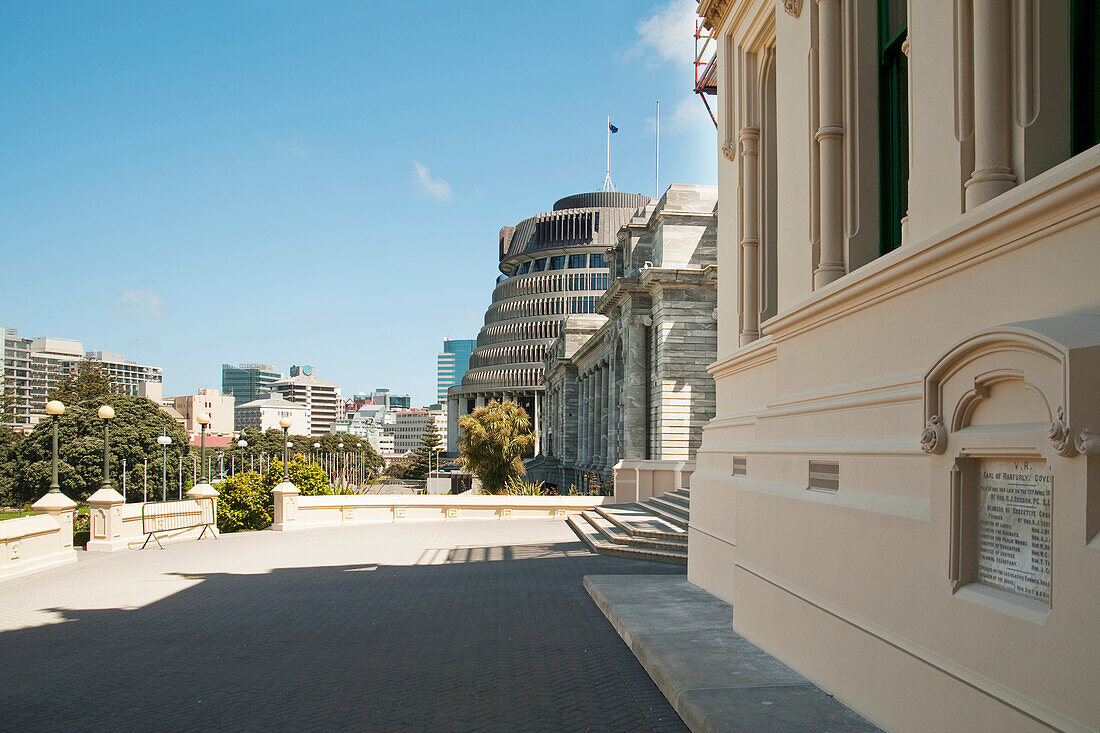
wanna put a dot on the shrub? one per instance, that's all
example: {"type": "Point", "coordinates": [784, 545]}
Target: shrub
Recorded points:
{"type": "Point", "coordinates": [519, 487]}
{"type": "Point", "coordinates": [246, 502]}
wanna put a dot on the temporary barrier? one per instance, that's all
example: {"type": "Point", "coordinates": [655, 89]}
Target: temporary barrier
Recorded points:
{"type": "Point", "coordinates": [162, 517]}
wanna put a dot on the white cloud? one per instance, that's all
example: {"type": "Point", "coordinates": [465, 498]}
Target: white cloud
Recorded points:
{"type": "Point", "coordinates": [140, 303]}
{"type": "Point", "coordinates": [437, 188]}
{"type": "Point", "coordinates": [668, 35]}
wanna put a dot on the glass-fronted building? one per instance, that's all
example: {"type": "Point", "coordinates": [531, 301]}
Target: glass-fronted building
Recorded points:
{"type": "Point", "coordinates": [451, 365]}
{"type": "Point", "coordinates": [248, 382]}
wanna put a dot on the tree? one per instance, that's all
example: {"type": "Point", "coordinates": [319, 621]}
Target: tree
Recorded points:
{"type": "Point", "coordinates": [134, 431]}
{"type": "Point", "coordinates": [9, 440]}
{"type": "Point", "coordinates": [9, 401]}
{"type": "Point", "coordinates": [493, 442]}
{"type": "Point", "coordinates": [430, 442]}
{"type": "Point", "coordinates": [88, 384]}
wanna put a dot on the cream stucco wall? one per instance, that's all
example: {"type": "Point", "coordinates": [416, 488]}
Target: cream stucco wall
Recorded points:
{"type": "Point", "coordinates": [860, 588]}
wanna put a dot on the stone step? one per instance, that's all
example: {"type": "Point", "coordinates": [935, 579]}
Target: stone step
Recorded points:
{"type": "Point", "coordinates": [620, 537]}
{"type": "Point", "coordinates": [674, 518]}
{"type": "Point", "coordinates": [677, 498]}
{"type": "Point", "coordinates": [659, 502]}
{"type": "Point", "coordinates": [596, 542]}
{"type": "Point", "coordinates": [634, 518]}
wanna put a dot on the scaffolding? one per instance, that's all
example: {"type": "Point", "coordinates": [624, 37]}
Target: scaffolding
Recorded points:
{"type": "Point", "coordinates": [706, 66]}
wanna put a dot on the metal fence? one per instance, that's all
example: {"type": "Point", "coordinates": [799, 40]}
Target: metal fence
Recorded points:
{"type": "Point", "coordinates": [162, 517]}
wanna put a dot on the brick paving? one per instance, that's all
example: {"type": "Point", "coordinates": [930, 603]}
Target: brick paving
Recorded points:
{"type": "Point", "coordinates": [445, 626]}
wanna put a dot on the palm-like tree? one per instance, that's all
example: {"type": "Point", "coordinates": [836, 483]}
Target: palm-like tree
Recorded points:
{"type": "Point", "coordinates": [493, 441]}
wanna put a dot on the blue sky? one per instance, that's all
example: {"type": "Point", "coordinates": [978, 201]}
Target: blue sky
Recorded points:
{"type": "Point", "coordinates": [192, 183]}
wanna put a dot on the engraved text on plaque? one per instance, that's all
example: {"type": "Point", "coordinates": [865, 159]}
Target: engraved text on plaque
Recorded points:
{"type": "Point", "coordinates": [1014, 526]}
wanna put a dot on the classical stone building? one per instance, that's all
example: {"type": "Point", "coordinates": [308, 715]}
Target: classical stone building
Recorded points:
{"type": "Point", "coordinates": [900, 491]}
{"type": "Point", "coordinates": [552, 264]}
{"type": "Point", "coordinates": [627, 390]}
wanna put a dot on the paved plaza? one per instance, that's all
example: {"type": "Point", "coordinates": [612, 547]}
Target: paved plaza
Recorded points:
{"type": "Point", "coordinates": [441, 626]}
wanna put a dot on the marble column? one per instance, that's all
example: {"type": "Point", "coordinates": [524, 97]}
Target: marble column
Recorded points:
{"type": "Point", "coordinates": [750, 238]}
{"type": "Point", "coordinates": [580, 418]}
{"type": "Point", "coordinates": [992, 174]}
{"type": "Point", "coordinates": [634, 402]}
{"type": "Point", "coordinates": [830, 140]}
{"type": "Point", "coordinates": [613, 414]}
{"type": "Point", "coordinates": [538, 426]}
{"type": "Point", "coordinates": [605, 390]}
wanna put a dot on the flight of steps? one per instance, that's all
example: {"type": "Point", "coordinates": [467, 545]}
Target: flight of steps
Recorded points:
{"type": "Point", "coordinates": [655, 529]}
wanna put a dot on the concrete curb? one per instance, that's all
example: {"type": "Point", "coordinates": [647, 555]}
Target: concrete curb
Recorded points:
{"type": "Point", "coordinates": [714, 678]}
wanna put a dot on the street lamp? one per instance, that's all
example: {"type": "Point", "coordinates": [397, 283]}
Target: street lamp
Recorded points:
{"type": "Point", "coordinates": [55, 409]}
{"type": "Point", "coordinates": [242, 444]}
{"type": "Point", "coordinates": [284, 423]}
{"type": "Point", "coordinates": [164, 442]}
{"type": "Point", "coordinates": [203, 420]}
{"type": "Point", "coordinates": [106, 414]}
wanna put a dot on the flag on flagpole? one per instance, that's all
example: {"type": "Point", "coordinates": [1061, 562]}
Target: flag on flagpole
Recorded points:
{"type": "Point", "coordinates": [612, 128]}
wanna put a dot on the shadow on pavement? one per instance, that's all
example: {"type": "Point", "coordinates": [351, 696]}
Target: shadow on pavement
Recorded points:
{"type": "Point", "coordinates": [501, 638]}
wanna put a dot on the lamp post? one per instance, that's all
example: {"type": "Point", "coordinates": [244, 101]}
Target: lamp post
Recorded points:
{"type": "Point", "coordinates": [106, 414]}
{"type": "Point", "coordinates": [203, 420]}
{"type": "Point", "coordinates": [242, 444]}
{"type": "Point", "coordinates": [55, 409]}
{"type": "Point", "coordinates": [316, 447]}
{"type": "Point", "coordinates": [164, 442]}
{"type": "Point", "coordinates": [284, 423]}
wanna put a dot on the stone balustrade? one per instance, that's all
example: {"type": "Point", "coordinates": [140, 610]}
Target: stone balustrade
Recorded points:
{"type": "Point", "coordinates": [293, 511]}
{"type": "Point", "coordinates": [116, 525]}
{"type": "Point", "coordinates": [640, 480]}
{"type": "Point", "coordinates": [41, 541]}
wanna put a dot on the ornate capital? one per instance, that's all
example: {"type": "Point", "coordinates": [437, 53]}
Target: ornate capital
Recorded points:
{"type": "Point", "coordinates": [934, 438]}
{"type": "Point", "coordinates": [793, 7]}
{"type": "Point", "coordinates": [1059, 435]}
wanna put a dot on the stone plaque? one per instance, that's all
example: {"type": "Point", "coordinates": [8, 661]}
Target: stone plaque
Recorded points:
{"type": "Point", "coordinates": [1014, 526]}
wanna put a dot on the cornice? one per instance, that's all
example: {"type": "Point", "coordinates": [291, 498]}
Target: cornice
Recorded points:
{"type": "Point", "coordinates": [714, 12]}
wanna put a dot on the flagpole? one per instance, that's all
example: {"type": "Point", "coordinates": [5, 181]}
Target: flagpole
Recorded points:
{"type": "Point", "coordinates": [657, 162]}
{"type": "Point", "coordinates": [608, 131]}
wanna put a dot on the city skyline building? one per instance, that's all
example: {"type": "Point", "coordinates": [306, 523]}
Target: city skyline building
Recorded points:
{"type": "Point", "coordinates": [209, 401]}
{"type": "Point", "coordinates": [248, 382]}
{"type": "Point", "coordinates": [265, 413]}
{"type": "Point", "coordinates": [451, 365]}
{"type": "Point", "coordinates": [30, 368]}
{"type": "Point", "coordinates": [408, 428]}
{"type": "Point", "coordinates": [391, 401]}
{"type": "Point", "coordinates": [321, 399]}
{"type": "Point", "coordinates": [552, 265]}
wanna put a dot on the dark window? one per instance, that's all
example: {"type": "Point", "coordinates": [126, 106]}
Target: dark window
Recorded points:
{"type": "Point", "coordinates": [576, 261]}
{"type": "Point", "coordinates": [557, 262]}
{"type": "Point", "coordinates": [1085, 71]}
{"type": "Point", "coordinates": [598, 260]}
{"type": "Point", "coordinates": [540, 265]}
{"type": "Point", "coordinates": [525, 268]}
{"type": "Point", "coordinates": [893, 110]}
